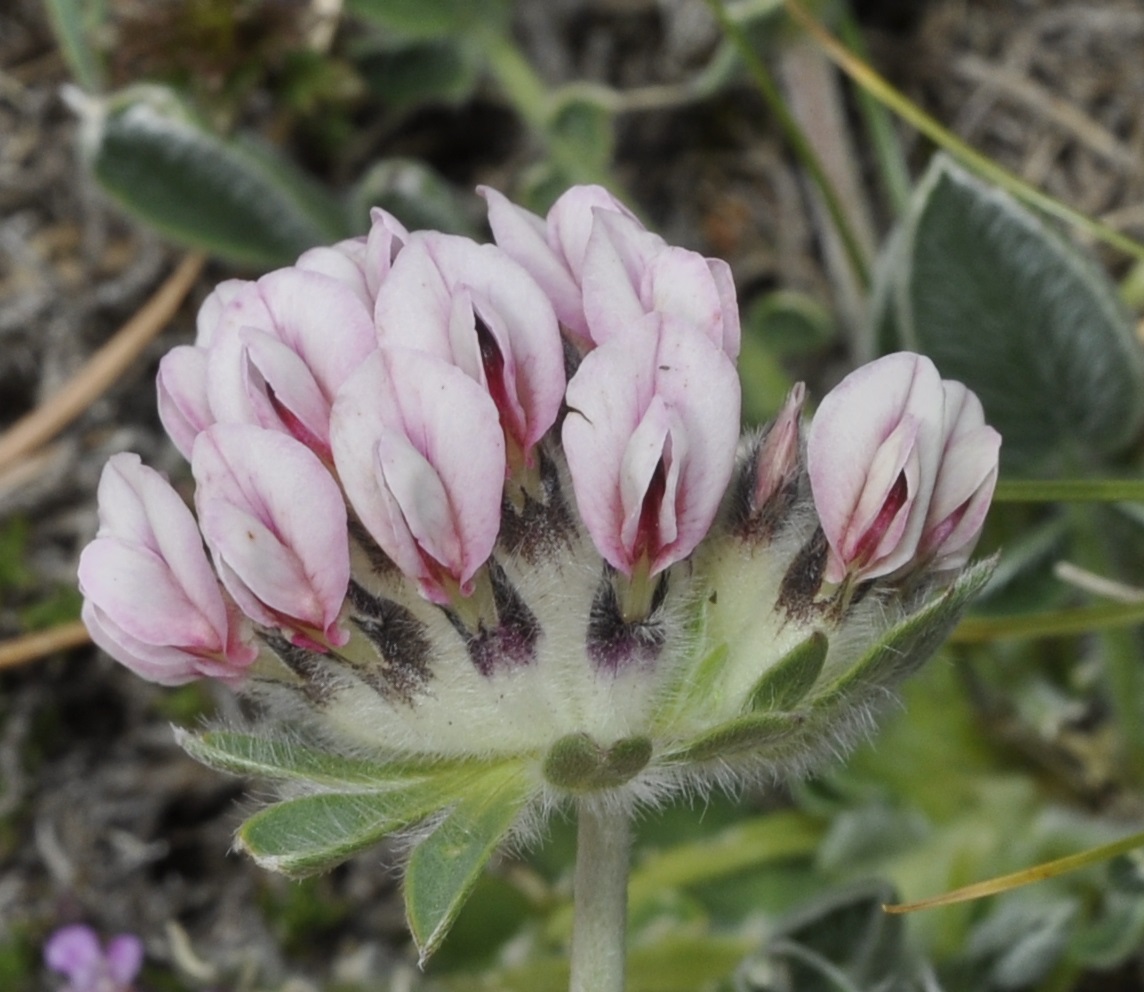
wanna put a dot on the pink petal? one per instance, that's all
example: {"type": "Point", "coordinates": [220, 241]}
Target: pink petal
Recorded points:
{"type": "Point", "coordinates": [162, 664]}
{"type": "Point", "coordinates": [523, 237]}
{"type": "Point", "coordinates": [139, 510]}
{"type": "Point", "coordinates": [679, 282]}
{"type": "Point", "coordinates": [437, 285]}
{"type": "Point", "coordinates": [895, 403]}
{"type": "Point", "coordinates": [453, 426]}
{"type": "Point", "coordinates": [659, 361]}
{"type": "Point", "coordinates": [616, 258]}
{"type": "Point", "coordinates": [184, 407]}
{"type": "Point", "coordinates": [571, 218]}
{"type": "Point", "coordinates": [211, 312]}
{"type": "Point", "coordinates": [296, 517]}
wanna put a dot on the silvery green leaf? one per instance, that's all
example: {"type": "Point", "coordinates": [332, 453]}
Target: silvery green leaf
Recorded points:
{"type": "Point", "coordinates": [76, 25]}
{"type": "Point", "coordinates": [234, 197]}
{"type": "Point", "coordinates": [416, 195]}
{"type": "Point", "coordinates": [287, 760]}
{"type": "Point", "coordinates": [735, 737]}
{"type": "Point", "coordinates": [314, 833]}
{"type": "Point", "coordinates": [432, 18]}
{"type": "Point", "coordinates": [446, 864]}
{"type": "Point", "coordinates": [1001, 301]}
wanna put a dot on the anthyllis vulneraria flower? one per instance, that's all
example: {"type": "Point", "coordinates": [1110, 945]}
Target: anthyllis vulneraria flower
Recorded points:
{"type": "Point", "coordinates": [482, 537]}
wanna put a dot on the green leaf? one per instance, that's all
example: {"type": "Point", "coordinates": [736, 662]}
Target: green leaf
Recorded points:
{"type": "Point", "coordinates": [445, 866]}
{"type": "Point", "coordinates": [314, 833]}
{"type": "Point", "coordinates": [791, 678]}
{"type": "Point", "coordinates": [409, 75]}
{"type": "Point", "coordinates": [580, 121]}
{"type": "Point", "coordinates": [235, 198]}
{"type": "Point", "coordinates": [75, 23]}
{"type": "Point", "coordinates": [908, 644]}
{"type": "Point", "coordinates": [746, 733]}
{"type": "Point", "coordinates": [789, 323]}
{"type": "Point", "coordinates": [432, 18]}
{"type": "Point", "coordinates": [416, 195]}
{"type": "Point", "coordinates": [1003, 303]}
{"type": "Point", "coordinates": [278, 759]}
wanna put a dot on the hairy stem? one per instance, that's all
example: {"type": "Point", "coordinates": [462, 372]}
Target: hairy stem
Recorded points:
{"type": "Point", "coordinates": [600, 891]}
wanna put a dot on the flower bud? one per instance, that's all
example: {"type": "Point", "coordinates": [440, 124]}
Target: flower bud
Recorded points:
{"type": "Point", "coordinates": [152, 600]}
{"type": "Point", "coordinates": [275, 523]}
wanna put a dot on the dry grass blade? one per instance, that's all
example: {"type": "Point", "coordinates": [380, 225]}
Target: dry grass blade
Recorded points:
{"type": "Point", "coordinates": [31, 647]}
{"type": "Point", "coordinates": [104, 367]}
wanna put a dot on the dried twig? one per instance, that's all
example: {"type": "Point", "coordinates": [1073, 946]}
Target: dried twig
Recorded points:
{"type": "Point", "coordinates": [103, 368]}
{"type": "Point", "coordinates": [31, 647]}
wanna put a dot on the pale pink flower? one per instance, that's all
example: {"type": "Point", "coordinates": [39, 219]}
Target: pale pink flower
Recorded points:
{"type": "Point", "coordinates": [474, 307]}
{"type": "Point", "coordinates": [650, 439]}
{"type": "Point", "coordinates": [362, 264]}
{"type": "Point", "coordinates": [552, 249]}
{"type": "Point", "coordinates": [75, 951]}
{"type": "Point", "coordinates": [965, 481]}
{"type": "Point", "coordinates": [873, 453]}
{"type": "Point", "coordinates": [184, 406]}
{"type": "Point", "coordinates": [151, 598]}
{"type": "Point", "coordinates": [420, 452]}
{"type": "Point", "coordinates": [275, 522]}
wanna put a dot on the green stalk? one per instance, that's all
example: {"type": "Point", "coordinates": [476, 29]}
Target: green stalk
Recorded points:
{"type": "Point", "coordinates": [600, 894]}
{"type": "Point", "coordinates": [986, 168]}
{"type": "Point", "coordinates": [1069, 490]}
{"type": "Point", "coordinates": [797, 140]}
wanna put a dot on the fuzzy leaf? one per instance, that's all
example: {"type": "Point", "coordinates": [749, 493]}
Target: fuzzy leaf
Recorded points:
{"type": "Point", "coordinates": [232, 197]}
{"type": "Point", "coordinates": [783, 685]}
{"type": "Point", "coordinates": [909, 643]}
{"type": "Point", "coordinates": [446, 864]}
{"type": "Point", "coordinates": [76, 23]}
{"type": "Point", "coordinates": [1003, 303]}
{"type": "Point", "coordinates": [746, 733]}
{"type": "Point", "coordinates": [314, 833]}
{"type": "Point", "coordinates": [254, 755]}
{"type": "Point", "coordinates": [438, 19]}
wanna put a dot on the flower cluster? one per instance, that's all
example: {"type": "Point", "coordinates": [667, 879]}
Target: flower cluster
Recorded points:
{"type": "Point", "coordinates": [482, 500]}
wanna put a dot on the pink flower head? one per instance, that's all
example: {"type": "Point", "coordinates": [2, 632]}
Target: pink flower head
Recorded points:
{"type": "Point", "coordinates": [965, 481]}
{"type": "Point", "coordinates": [362, 264]}
{"type": "Point", "coordinates": [75, 951]}
{"type": "Point", "coordinates": [650, 439]}
{"type": "Point", "coordinates": [420, 451]}
{"type": "Point", "coordinates": [778, 457]}
{"type": "Point", "coordinates": [274, 520]}
{"type": "Point", "coordinates": [474, 307]}
{"type": "Point", "coordinates": [552, 250]}
{"type": "Point", "coordinates": [873, 453]}
{"type": "Point", "coordinates": [151, 598]}
{"type": "Point", "coordinates": [276, 352]}
{"type": "Point", "coordinates": [629, 272]}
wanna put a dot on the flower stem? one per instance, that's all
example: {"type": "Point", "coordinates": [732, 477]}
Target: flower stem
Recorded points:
{"type": "Point", "coordinates": [600, 891]}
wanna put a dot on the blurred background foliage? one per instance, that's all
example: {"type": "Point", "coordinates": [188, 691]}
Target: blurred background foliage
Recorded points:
{"type": "Point", "coordinates": [254, 129]}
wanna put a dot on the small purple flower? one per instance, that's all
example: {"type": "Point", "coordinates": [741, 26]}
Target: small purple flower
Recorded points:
{"type": "Point", "coordinates": [75, 951]}
{"type": "Point", "coordinates": [152, 600]}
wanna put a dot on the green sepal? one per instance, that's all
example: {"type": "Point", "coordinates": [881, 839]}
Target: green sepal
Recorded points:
{"type": "Point", "coordinates": [445, 866]}
{"type": "Point", "coordinates": [693, 688]}
{"type": "Point", "coordinates": [287, 760]}
{"type": "Point", "coordinates": [579, 764]}
{"type": "Point", "coordinates": [784, 684]}
{"type": "Point", "coordinates": [746, 733]}
{"type": "Point", "coordinates": [314, 833]}
{"type": "Point", "coordinates": [233, 197]}
{"type": "Point", "coordinates": [909, 643]}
